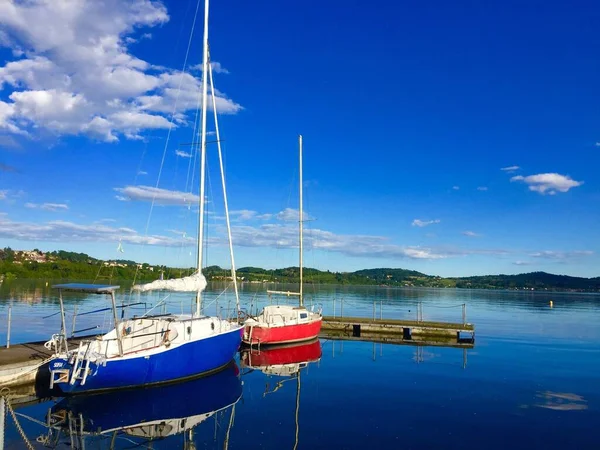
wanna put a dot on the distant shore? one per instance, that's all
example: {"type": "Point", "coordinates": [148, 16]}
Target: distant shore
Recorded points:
{"type": "Point", "coordinates": [36, 265]}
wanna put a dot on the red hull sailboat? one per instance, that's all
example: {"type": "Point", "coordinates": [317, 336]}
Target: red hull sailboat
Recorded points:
{"type": "Point", "coordinates": [279, 324]}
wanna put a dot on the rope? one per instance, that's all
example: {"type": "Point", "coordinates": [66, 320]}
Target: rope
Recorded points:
{"type": "Point", "coordinates": [4, 393]}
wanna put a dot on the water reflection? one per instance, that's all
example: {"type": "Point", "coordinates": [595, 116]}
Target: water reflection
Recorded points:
{"type": "Point", "coordinates": [138, 417]}
{"type": "Point", "coordinates": [560, 401]}
{"type": "Point", "coordinates": [286, 363]}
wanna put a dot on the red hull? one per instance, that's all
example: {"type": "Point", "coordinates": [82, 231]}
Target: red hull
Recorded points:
{"type": "Point", "coordinates": [298, 353]}
{"type": "Point", "coordinates": [283, 334]}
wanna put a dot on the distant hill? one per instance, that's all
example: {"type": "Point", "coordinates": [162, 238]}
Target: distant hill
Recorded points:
{"type": "Point", "coordinates": [533, 280]}
{"type": "Point", "coordinates": [35, 264]}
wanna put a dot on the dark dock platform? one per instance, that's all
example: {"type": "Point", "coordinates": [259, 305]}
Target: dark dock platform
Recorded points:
{"type": "Point", "coordinates": [358, 327]}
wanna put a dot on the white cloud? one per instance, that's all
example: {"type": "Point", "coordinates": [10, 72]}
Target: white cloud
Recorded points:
{"type": "Point", "coordinates": [74, 73]}
{"type": "Point", "coordinates": [141, 172]}
{"type": "Point", "coordinates": [562, 255]}
{"type": "Point", "coordinates": [456, 188]}
{"type": "Point", "coordinates": [597, 144]}
{"type": "Point", "coordinates": [510, 169]}
{"type": "Point", "coordinates": [158, 195]}
{"type": "Point", "coordinates": [424, 223]}
{"type": "Point", "coordinates": [482, 188]}
{"type": "Point", "coordinates": [548, 183]}
{"type": "Point", "coordinates": [217, 67]}
{"type": "Point", "coordinates": [291, 215]}
{"type": "Point", "coordinates": [286, 236]}
{"type": "Point", "coordinates": [522, 263]}
{"type": "Point", "coordinates": [183, 154]}
{"type": "Point", "coordinates": [243, 214]}
{"type": "Point", "coordinates": [471, 234]}
{"type": "Point", "coordinates": [48, 206]}
{"type": "Point", "coordinates": [3, 194]}
{"type": "Point", "coordinates": [63, 231]}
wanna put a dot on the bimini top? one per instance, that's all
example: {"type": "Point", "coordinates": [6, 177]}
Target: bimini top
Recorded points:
{"type": "Point", "coordinates": [83, 287]}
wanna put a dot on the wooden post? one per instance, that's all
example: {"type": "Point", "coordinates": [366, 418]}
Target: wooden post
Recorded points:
{"type": "Point", "coordinates": [8, 329]}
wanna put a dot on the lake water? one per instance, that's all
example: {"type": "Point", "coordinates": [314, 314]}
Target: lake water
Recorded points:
{"type": "Point", "coordinates": [532, 379]}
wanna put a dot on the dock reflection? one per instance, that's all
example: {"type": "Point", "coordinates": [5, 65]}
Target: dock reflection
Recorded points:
{"type": "Point", "coordinates": [142, 416]}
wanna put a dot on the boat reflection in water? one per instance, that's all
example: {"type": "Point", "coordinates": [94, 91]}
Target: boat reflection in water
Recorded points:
{"type": "Point", "coordinates": [143, 415]}
{"type": "Point", "coordinates": [283, 361]}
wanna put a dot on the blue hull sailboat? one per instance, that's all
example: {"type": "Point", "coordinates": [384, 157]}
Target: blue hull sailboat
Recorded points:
{"type": "Point", "coordinates": [150, 350]}
{"type": "Point", "coordinates": [146, 350]}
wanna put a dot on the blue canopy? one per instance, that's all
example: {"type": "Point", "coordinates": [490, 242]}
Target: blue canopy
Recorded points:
{"type": "Point", "coordinates": [91, 288]}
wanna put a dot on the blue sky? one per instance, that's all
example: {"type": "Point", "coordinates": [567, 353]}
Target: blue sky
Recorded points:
{"type": "Point", "coordinates": [453, 138]}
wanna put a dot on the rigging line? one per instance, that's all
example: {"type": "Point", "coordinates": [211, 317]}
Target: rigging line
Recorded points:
{"type": "Point", "coordinates": [170, 129]}
{"type": "Point", "coordinates": [225, 203]}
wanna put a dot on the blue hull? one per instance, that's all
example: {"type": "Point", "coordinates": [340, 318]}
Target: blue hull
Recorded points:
{"type": "Point", "coordinates": [176, 401]}
{"type": "Point", "coordinates": [188, 360]}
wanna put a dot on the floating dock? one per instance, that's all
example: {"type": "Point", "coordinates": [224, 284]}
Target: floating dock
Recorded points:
{"type": "Point", "coordinates": [404, 330]}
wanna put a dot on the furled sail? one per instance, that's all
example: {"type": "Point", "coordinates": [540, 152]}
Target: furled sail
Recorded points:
{"type": "Point", "coordinates": [192, 283]}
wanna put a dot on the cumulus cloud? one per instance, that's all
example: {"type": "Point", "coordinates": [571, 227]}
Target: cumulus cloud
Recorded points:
{"type": "Point", "coordinates": [424, 223]}
{"type": "Point", "coordinates": [48, 206]}
{"type": "Point", "coordinates": [291, 215]}
{"type": "Point", "coordinates": [286, 236]}
{"type": "Point", "coordinates": [74, 73]}
{"type": "Point", "coordinates": [548, 183]}
{"type": "Point", "coordinates": [64, 231]}
{"type": "Point", "coordinates": [510, 169]}
{"type": "Point", "coordinates": [243, 214]}
{"type": "Point", "coordinates": [471, 234]}
{"type": "Point", "coordinates": [158, 195]}
{"type": "Point", "coordinates": [217, 67]}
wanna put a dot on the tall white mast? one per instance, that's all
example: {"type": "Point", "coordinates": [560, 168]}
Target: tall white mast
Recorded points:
{"type": "Point", "coordinates": [202, 150]}
{"type": "Point", "coordinates": [300, 219]}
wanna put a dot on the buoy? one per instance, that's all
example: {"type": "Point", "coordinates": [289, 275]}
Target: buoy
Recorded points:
{"type": "Point", "coordinates": [551, 304]}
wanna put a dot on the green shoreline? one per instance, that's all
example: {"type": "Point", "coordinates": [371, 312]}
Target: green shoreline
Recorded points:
{"type": "Point", "coordinates": [79, 266]}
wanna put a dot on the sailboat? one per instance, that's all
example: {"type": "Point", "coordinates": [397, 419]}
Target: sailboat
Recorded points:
{"type": "Point", "coordinates": [152, 349]}
{"type": "Point", "coordinates": [278, 324]}
{"type": "Point", "coordinates": [146, 414]}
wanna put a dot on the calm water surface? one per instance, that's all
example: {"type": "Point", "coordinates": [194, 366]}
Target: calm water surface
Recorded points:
{"type": "Point", "coordinates": [531, 381]}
